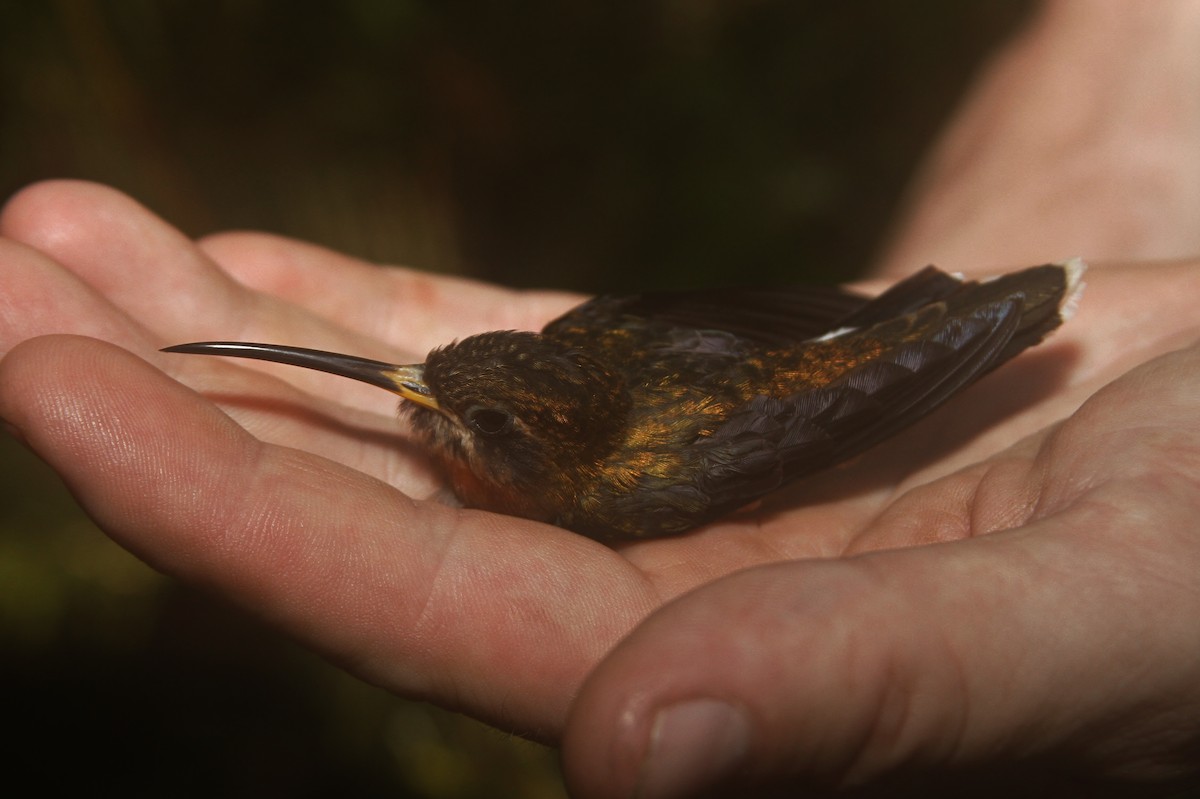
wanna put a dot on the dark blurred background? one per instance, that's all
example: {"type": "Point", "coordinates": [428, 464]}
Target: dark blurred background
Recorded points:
{"type": "Point", "coordinates": [597, 146]}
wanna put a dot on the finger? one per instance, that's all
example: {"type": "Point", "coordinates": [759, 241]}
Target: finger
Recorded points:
{"type": "Point", "coordinates": [125, 253]}
{"type": "Point", "coordinates": [150, 271]}
{"type": "Point", "coordinates": [40, 297]}
{"type": "Point", "coordinates": [494, 616]}
{"type": "Point", "coordinates": [411, 309]}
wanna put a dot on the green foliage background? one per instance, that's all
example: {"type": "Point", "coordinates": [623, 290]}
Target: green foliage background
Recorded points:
{"type": "Point", "coordinates": [598, 146]}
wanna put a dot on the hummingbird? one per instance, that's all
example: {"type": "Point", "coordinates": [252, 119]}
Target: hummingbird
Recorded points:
{"type": "Point", "coordinates": [652, 414]}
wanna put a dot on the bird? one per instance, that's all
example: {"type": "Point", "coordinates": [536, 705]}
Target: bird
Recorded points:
{"type": "Point", "coordinates": [649, 415]}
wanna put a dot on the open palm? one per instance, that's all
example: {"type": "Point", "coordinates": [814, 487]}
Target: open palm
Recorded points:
{"type": "Point", "coordinates": [301, 496]}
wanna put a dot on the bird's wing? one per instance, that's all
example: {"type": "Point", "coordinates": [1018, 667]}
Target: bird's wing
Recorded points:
{"type": "Point", "coordinates": [773, 440]}
{"type": "Point", "coordinates": [770, 317]}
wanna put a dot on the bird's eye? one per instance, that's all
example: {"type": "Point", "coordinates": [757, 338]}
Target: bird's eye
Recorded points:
{"type": "Point", "coordinates": [489, 421]}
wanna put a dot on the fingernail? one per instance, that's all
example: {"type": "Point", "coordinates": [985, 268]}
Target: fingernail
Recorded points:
{"type": "Point", "coordinates": [692, 745]}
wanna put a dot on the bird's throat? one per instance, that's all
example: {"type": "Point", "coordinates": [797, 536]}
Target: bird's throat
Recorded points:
{"type": "Point", "coordinates": [487, 495]}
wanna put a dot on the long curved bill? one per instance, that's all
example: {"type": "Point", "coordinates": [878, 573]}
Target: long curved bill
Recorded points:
{"type": "Point", "coordinates": [407, 381]}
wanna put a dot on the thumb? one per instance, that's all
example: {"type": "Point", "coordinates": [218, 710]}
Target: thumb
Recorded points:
{"type": "Point", "coordinates": [886, 669]}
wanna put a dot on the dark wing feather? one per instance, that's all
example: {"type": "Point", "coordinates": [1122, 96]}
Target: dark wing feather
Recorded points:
{"type": "Point", "coordinates": [798, 435]}
{"type": "Point", "coordinates": [774, 318]}
{"type": "Point", "coordinates": [928, 286]}
{"type": "Point", "coordinates": [915, 378]}
{"type": "Point", "coordinates": [1039, 290]}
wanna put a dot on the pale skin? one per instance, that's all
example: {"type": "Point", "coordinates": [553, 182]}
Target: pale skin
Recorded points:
{"type": "Point", "coordinates": [1010, 585]}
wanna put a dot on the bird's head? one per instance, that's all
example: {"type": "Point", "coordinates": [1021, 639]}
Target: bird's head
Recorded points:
{"type": "Point", "coordinates": [507, 413]}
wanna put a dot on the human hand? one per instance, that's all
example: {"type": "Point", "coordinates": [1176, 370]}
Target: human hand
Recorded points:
{"type": "Point", "coordinates": [315, 512]}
